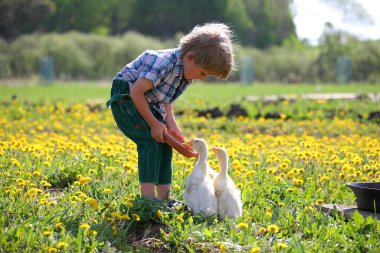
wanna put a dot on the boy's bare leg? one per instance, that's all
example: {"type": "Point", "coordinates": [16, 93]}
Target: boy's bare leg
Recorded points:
{"type": "Point", "coordinates": [147, 190]}
{"type": "Point", "coordinates": [163, 191]}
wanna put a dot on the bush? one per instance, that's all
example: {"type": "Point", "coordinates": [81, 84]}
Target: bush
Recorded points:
{"type": "Point", "coordinates": [5, 68]}
{"type": "Point", "coordinates": [366, 62]}
{"type": "Point", "coordinates": [77, 55]}
{"type": "Point", "coordinates": [131, 45]}
{"type": "Point", "coordinates": [70, 61]}
{"type": "Point", "coordinates": [280, 64]}
{"type": "Point", "coordinates": [24, 53]}
{"type": "Point", "coordinates": [90, 56]}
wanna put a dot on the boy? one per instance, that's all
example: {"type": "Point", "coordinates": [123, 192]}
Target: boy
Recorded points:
{"type": "Point", "coordinates": [143, 92]}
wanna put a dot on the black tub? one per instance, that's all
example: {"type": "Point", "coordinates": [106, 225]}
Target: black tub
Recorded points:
{"type": "Point", "coordinates": [367, 195]}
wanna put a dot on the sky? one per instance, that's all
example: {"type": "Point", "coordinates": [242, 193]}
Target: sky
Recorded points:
{"type": "Point", "coordinates": [311, 15]}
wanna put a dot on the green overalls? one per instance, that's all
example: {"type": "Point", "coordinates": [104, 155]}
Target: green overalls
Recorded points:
{"type": "Point", "coordinates": [154, 158]}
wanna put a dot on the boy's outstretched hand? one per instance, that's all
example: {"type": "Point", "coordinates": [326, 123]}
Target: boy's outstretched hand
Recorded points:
{"type": "Point", "coordinates": [177, 132]}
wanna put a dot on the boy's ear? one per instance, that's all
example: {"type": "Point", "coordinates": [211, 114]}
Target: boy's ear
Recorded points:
{"type": "Point", "coordinates": [190, 55]}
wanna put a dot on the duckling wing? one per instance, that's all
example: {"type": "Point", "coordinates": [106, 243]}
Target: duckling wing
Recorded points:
{"type": "Point", "coordinates": [229, 204]}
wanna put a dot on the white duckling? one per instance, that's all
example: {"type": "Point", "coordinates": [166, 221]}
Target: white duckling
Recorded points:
{"type": "Point", "coordinates": [229, 197]}
{"type": "Point", "coordinates": [199, 190]}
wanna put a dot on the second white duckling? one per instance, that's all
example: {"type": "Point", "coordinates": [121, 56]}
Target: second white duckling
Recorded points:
{"type": "Point", "coordinates": [229, 197]}
{"type": "Point", "coordinates": [199, 189]}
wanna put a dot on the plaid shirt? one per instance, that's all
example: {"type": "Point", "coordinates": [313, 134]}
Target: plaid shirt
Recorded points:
{"type": "Point", "coordinates": [165, 69]}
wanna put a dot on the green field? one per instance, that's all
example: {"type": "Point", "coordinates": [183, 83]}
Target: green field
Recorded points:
{"type": "Point", "coordinates": [69, 180]}
{"type": "Point", "coordinates": [74, 92]}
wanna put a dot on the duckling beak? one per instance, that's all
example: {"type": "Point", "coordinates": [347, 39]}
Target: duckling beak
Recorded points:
{"type": "Point", "coordinates": [214, 148]}
{"type": "Point", "coordinates": [188, 144]}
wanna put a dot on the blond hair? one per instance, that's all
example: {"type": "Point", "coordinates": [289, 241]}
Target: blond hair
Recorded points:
{"type": "Point", "coordinates": [211, 44]}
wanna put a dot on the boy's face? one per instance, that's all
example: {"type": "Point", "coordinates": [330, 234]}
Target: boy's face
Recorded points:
{"type": "Point", "coordinates": [191, 70]}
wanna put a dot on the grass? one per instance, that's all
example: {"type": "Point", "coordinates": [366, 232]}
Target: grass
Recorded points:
{"type": "Point", "coordinates": [216, 94]}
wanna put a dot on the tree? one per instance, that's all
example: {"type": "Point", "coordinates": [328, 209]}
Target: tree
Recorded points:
{"type": "Point", "coordinates": [272, 21]}
{"type": "Point", "coordinates": [22, 16]}
{"type": "Point", "coordinates": [164, 20]}
{"type": "Point", "coordinates": [83, 16]}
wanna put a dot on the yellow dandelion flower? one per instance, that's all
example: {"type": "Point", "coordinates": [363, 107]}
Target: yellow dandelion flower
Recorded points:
{"type": "Point", "coordinates": [51, 249]}
{"type": "Point", "coordinates": [107, 191]}
{"type": "Point", "coordinates": [74, 199]}
{"type": "Point", "coordinates": [82, 196]}
{"type": "Point", "coordinates": [242, 225]}
{"type": "Point", "coordinates": [222, 247]}
{"type": "Point", "coordinates": [176, 187]}
{"type": "Point", "coordinates": [281, 245]}
{"type": "Point", "coordinates": [284, 166]}
{"type": "Point", "coordinates": [324, 178]}
{"type": "Point", "coordinates": [297, 181]}
{"type": "Point", "coordinates": [262, 230]}
{"type": "Point", "coordinates": [36, 173]}
{"type": "Point", "coordinates": [125, 217]}
{"type": "Point", "coordinates": [132, 196]}
{"type": "Point", "coordinates": [43, 201]}
{"type": "Point", "coordinates": [239, 186]}
{"type": "Point", "coordinates": [278, 179]}
{"type": "Point", "coordinates": [84, 180]}
{"type": "Point", "coordinates": [116, 215]}
{"type": "Point", "coordinates": [255, 250]}
{"type": "Point", "coordinates": [250, 173]}
{"type": "Point", "coordinates": [15, 162]}
{"type": "Point", "coordinates": [319, 202]}
{"type": "Point", "coordinates": [273, 228]}
{"type": "Point", "coordinates": [59, 226]}
{"type": "Point", "coordinates": [47, 233]}
{"type": "Point", "coordinates": [290, 174]}
{"type": "Point", "coordinates": [136, 216]}
{"type": "Point", "coordinates": [52, 203]}
{"type": "Point", "coordinates": [159, 213]}
{"type": "Point", "coordinates": [91, 233]}
{"type": "Point", "coordinates": [129, 204]}
{"type": "Point", "coordinates": [45, 183]}
{"type": "Point", "coordinates": [93, 203]}
{"type": "Point", "coordinates": [62, 245]}
{"type": "Point", "coordinates": [46, 163]}
{"type": "Point", "coordinates": [84, 226]}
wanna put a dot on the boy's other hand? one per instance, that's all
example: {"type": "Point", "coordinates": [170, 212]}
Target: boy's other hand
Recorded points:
{"type": "Point", "coordinates": [157, 131]}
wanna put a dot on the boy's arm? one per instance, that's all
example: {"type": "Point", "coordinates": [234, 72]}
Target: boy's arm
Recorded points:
{"type": "Point", "coordinates": [171, 123]}
{"type": "Point", "coordinates": [137, 95]}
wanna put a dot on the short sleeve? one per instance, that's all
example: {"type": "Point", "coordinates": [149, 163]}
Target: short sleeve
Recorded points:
{"type": "Point", "coordinates": [154, 68]}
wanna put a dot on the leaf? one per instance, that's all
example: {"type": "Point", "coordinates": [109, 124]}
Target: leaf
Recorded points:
{"type": "Point", "coordinates": [358, 218]}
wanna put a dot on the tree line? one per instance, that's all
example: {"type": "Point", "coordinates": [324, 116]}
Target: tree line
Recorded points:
{"type": "Point", "coordinates": [258, 23]}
